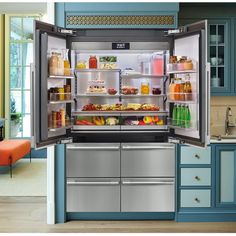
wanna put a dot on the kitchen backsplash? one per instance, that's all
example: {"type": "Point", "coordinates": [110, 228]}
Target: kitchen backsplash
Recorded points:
{"type": "Point", "coordinates": [218, 114]}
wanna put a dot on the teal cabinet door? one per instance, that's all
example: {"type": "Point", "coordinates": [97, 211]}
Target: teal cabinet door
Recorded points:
{"type": "Point", "coordinates": [220, 58]}
{"type": "Point", "coordinates": [226, 176]}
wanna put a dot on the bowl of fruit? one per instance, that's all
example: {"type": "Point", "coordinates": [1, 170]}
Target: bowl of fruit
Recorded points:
{"type": "Point", "coordinates": [111, 91]}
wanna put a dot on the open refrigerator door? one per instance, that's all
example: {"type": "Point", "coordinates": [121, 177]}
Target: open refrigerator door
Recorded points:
{"type": "Point", "coordinates": [51, 86]}
{"type": "Point", "coordinates": [188, 92]}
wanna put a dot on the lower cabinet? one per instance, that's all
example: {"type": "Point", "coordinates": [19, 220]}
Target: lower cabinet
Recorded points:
{"type": "Point", "coordinates": [225, 176]}
{"type": "Point", "coordinates": [206, 183]}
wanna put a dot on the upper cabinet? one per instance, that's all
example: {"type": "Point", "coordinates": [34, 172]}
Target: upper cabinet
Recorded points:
{"type": "Point", "coordinates": [221, 41]}
{"type": "Point", "coordinates": [220, 56]}
{"type": "Point", "coordinates": [117, 15]}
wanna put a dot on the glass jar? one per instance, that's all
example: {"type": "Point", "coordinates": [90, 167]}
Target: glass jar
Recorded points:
{"type": "Point", "coordinates": [53, 61]}
{"type": "Point", "coordinates": [93, 63]}
{"type": "Point", "coordinates": [145, 88]}
{"type": "Point", "coordinates": [81, 64]}
{"type": "Point", "coordinates": [156, 90]}
{"type": "Point", "coordinates": [60, 64]}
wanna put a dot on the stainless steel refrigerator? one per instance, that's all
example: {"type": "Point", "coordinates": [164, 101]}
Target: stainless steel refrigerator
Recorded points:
{"type": "Point", "coordinates": [127, 61]}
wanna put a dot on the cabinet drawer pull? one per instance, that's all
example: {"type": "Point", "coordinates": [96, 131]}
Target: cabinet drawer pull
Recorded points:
{"type": "Point", "coordinates": [197, 156]}
{"type": "Point", "coordinates": [197, 178]}
{"type": "Point", "coordinates": [197, 200]}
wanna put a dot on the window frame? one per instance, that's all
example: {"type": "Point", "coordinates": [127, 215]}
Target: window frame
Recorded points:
{"type": "Point", "coordinates": [7, 71]}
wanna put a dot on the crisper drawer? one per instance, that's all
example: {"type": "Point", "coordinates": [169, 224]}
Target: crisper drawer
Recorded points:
{"type": "Point", "coordinates": [93, 195]}
{"type": "Point", "coordinates": [194, 155]}
{"type": "Point", "coordinates": [147, 160]}
{"type": "Point", "coordinates": [93, 160]}
{"type": "Point", "coordinates": [148, 195]}
{"type": "Point", "coordinates": [195, 198]}
{"type": "Point", "coordinates": [195, 176]}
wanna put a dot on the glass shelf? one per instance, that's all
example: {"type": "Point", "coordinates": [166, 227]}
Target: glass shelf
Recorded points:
{"type": "Point", "coordinates": [138, 76]}
{"type": "Point", "coordinates": [60, 102]}
{"type": "Point", "coordinates": [97, 70]}
{"type": "Point", "coordinates": [60, 77]}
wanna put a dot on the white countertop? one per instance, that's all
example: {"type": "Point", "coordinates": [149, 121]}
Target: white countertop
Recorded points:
{"type": "Point", "coordinates": [233, 140]}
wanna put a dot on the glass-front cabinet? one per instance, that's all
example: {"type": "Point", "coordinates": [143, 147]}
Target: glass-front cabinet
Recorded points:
{"type": "Point", "coordinates": [219, 56]}
{"type": "Point", "coordinates": [226, 176]}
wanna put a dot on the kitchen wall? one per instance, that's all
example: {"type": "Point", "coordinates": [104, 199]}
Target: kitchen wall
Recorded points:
{"type": "Point", "coordinates": [218, 113]}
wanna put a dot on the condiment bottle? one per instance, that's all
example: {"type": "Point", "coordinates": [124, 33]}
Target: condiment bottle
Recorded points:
{"type": "Point", "coordinates": [63, 117]}
{"type": "Point", "coordinates": [172, 90]}
{"type": "Point", "coordinates": [61, 94]}
{"type": "Point", "coordinates": [53, 62]}
{"type": "Point", "coordinates": [145, 89]}
{"type": "Point", "coordinates": [177, 90]}
{"type": "Point", "coordinates": [66, 63]}
{"type": "Point", "coordinates": [60, 65]}
{"type": "Point", "coordinates": [93, 64]}
{"type": "Point", "coordinates": [181, 90]}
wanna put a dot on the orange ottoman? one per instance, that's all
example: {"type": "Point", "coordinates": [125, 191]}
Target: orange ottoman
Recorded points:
{"type": "Point", "coordinates": [13, 150]}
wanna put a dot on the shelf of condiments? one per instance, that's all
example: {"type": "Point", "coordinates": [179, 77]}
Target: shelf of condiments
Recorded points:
{"type": "Point", "coordinates": [104, 62]}
{"type": "Point", "coordinates": [181, 116]}
{"type": "Point", "coordinates": [180, 90]}
{"type": "Point", "coordinates": [58, 119]}
{"type": "Point", "coordinates": [180, 64]}
{"type": "Point", "coordinates": [59, 64]}
{"type": "Point", "coordinates": [60, 93]}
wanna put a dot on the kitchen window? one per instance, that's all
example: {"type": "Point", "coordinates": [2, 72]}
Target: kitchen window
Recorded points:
{"type": "Point", "coordinates": [19, 56]}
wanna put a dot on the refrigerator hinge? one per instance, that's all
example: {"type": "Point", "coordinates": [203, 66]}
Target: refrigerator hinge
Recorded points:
{"type": "Point", "coordinates": [65, 140]}
{"type": "Point", "coordinates": [175, 141]}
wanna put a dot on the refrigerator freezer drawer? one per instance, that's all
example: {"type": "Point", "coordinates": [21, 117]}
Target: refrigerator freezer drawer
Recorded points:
{"type": "Point", "coordinates": [148, 195]}
{"type": "Point", "coordinates": [93, 160]}
{"type": "Point", "coordinates": [147, 160]}
{"type": "Point", "coordinates": [93, 195]}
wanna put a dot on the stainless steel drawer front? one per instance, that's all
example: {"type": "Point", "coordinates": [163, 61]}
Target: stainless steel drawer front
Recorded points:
{"type": "Point", "coordinates": [93, 160]}
{"type": "Point", "coordinates": [147, 160]}
{"type": "Point", "coordinates": [148, 195]}
{"type": "Point", "coordinates": [93, 195]}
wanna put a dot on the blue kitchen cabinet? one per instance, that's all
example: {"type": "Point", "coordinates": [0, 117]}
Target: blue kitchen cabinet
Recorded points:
{"type": "Point", "coordinates": [117, 15]}
{"type": "Point", "coordinates": [206, 183]}
{"type": "Point", "coordinates": [220, 56]}
{"type": "Point", "coordinates": [225, 176]}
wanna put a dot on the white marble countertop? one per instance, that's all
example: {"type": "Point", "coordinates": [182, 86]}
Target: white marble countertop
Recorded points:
{"type": "Point", "coordinates": [233, 140]}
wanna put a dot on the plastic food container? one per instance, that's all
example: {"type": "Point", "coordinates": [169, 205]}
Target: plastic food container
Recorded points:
{"type": "Point", "coordinates": [156, 90]}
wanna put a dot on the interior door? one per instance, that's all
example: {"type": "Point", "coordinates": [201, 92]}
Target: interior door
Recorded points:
{"type": "Point", "coordinates": [194, 128]}
{"type": "Point", "coordinates": [46, 37]}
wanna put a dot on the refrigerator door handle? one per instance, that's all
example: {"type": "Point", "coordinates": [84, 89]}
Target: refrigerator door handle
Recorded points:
{"type": "Point", "coordinates": [32, 100]}
{"type": "Point", "coordinates": [129, 182]}
{"type": "Point", "coordinates": [94, 148]}
{"type": "Point", "coordinates": [146, 147]}
{"type": "Point", "coordinates": [93, 182]}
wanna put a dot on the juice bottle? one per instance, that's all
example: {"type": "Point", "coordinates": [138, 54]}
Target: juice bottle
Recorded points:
{"type": "Point", "coordinates": [177, 90]}
{"type": "Point", "coordinates": [187, 117]}
{"type": "Point", "coordinates": [66, 63]}
{"type": "Point", "coordinates": [53, 63]}
{"type": "Point", "coordinates": [182, 116]}
{"type": "Point", "coordinates": [181, 90]}
{"type": "Point", "coordinates": [172, 90]}
{"type": "Point", "coordinates": [60, 64]}
{"type": "Point", "coordinates": [178, 115]}
{"type": "Point", "coordinates": [174, 115]}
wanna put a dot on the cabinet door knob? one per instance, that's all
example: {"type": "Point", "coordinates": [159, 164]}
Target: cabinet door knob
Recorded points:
{"type": "Point", "coordinates": [197, 200]}
{"type": "Point", "coordinates": [197, 156]}
{"type": "Point", "coordinates": [197, 178]}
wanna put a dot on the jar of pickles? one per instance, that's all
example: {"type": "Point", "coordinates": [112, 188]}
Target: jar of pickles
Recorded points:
{"type": "Point", "coordinates": [145, 88]}
{"type": "Point", "coordinates": [93, 63]}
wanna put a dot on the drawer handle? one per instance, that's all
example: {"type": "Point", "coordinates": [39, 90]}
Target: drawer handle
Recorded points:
{"type": "Point", "coordinates": [93, 183]}
{"type": "Point", "coordinates": [197, 200]}
{"type": "Point", "coordinates": [197, 178]}
{"type": "Point", "coordinates": [146, 147]}
{"type": "Point", "coordinates": [148, 182]}
{"type": "Point", "coordinates": [197, 156]}
{"type": "Point", "coordinates": [94, 148]}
